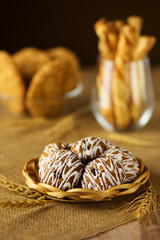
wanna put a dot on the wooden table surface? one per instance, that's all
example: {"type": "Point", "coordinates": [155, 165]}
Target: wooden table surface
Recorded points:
{"type": "Point", "coordinates": [133, 231]}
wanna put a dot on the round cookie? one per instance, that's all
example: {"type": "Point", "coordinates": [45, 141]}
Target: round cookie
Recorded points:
{"type": "Point", "coordinates": [12, 87]}
{"type": "Point", "coordinates": [29, 60]}
{"type": "Point", "coordinates": [64, 53]}
{"type": "Point", "coordinates": [103, 173]}
{"type": "Point", "coordinates": [90, 148]}
{"type": "Point", "coordinates": [130, 163]}
{"type": "Point", "coordinates": [60, 168]}
{"type": "Point", "coordinates": [72, 63]}
{"type": "Point", "coordinates": [45, 87]}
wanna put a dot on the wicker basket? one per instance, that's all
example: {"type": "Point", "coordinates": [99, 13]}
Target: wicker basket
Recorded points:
{"type": "Point", "coordinates": [30, 171]}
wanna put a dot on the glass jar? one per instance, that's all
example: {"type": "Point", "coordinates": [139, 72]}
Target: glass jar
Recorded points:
{"type": "Point", "coordinates": [123, 102]}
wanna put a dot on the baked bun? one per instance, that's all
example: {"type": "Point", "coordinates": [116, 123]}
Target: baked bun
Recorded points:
{"type": "Point", "coordinates": [59, 168]}
{"type": "Point", "coordinates": [91, 163]}
{"type": "Point", "coordinates": [130, 163]}
{"type": "Point", "coordinates": [90, 148]}
{"type": "Point", "coordinates": [103, 173]}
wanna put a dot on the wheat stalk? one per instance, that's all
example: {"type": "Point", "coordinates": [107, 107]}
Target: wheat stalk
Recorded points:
{"type": "Point", "coordinates": [143, 205]}
{"type": "Point", "coordinates": [19, 188]}
{"type": "Point", "coordinates": [23, 203]}
{"type": "Point", "coordinates": [39, 199]}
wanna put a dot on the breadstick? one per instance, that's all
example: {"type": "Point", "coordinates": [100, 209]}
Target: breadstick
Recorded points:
{"type": "Point", "coordinates": [144, 45]}
{"type": "Point", "coordinates": [135, 22]}
{"type": "Point", "coordinates": [112, 36]}
{"type": "Point", "coordinates": [119, 25]}
{"type": "Point", "coordinates": [107, 72]}
{"type": "Point", "coordinates": [119, 81]}
{"type": "Point", "coordinates": [100, 28]}
{"type": "Point", "coordinates": [135, 83]}
{"type": "Point", "coordinates": [105, 99]}
{"type": "Point", "coordinates": [101, 31]}
{"type": "Point", "coordinates": [108, 37]}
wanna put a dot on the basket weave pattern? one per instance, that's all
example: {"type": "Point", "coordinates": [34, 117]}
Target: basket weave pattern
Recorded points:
{"type": "Point", "coordinates": [30, 172]}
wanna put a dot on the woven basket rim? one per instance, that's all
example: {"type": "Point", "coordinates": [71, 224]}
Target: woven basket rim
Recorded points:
{"type": "Point", "coordinates": [30, 172]}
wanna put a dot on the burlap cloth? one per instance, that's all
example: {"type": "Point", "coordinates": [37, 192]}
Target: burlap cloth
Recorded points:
{"type": "Point", "coordinates": [21, 140]}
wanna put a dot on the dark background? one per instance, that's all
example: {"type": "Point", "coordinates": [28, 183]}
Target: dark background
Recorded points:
{"type": "Point", "coordinates": [45, 24]}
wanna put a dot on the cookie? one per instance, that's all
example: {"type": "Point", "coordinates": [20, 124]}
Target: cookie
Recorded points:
{"type": "Point", "coordinates": [130, 163]}
{"type": "Point", "coordinates": [103, 173]}
{"type": "Point", "coordinates": [12, 87]}
{"type": "Point", "coordinates": [72, 62]}
{"type": "Point", "coordinates": [43, 97]}
{"type": "Point", "coordinates": [28, 60]}
{"type": "Point", "coordinates": [60, 168]}
{"type": "Point", "coordinates": [64, 53]}
{"type": "Point", "coordinates": [91, 163]}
